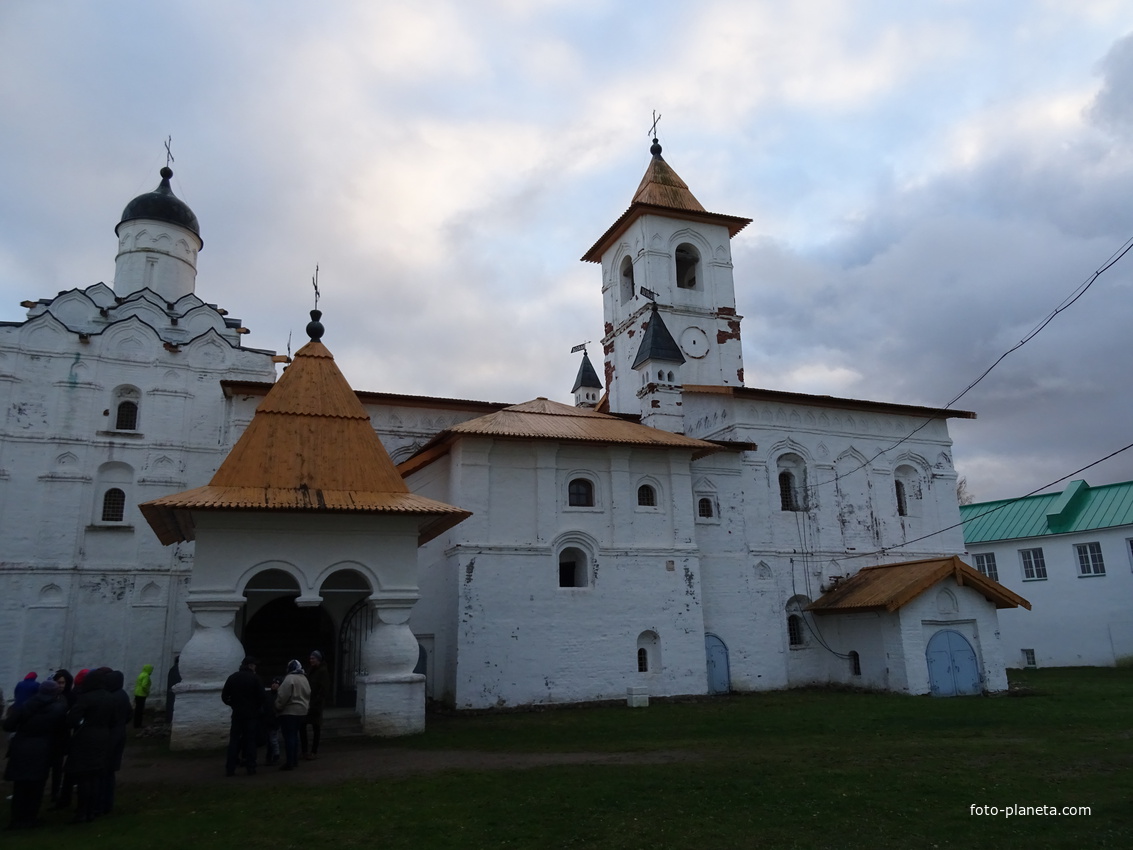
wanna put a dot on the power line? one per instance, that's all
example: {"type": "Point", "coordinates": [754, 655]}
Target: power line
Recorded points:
{"type": "Point", "coordinates": [1066, 303]}
{"type": "Point", "coordinates": [999, 507]}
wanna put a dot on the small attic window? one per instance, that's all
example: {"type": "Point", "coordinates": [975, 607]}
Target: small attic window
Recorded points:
{"type": "Point", "coordinates": [688, 266]}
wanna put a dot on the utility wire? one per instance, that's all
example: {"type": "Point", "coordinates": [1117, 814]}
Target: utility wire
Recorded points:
{"type": "Point", "coordinates": [988, 511]}
{"type": "Point", "coordinates": [1067, 302]}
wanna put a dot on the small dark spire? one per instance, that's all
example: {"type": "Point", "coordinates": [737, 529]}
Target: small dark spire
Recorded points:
{"type": "Point", "coordinates": [655, 148]}
{"type": "Point", "coordinates": [315, 327]}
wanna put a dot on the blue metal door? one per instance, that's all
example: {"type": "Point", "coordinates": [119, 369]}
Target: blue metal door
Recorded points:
{"type": "Point", "coordinates": [719, 679]}
{"type": "Point", "coordinates": [952, 666]}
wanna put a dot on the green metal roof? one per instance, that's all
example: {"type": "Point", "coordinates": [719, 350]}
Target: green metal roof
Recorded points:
{"type": "Point", "coordinates": [1079, 507]}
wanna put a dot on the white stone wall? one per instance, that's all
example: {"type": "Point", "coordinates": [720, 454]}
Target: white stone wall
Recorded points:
{"type": "Point", "coordinates": [519, 637]}
{"type": "Point", "coordinates": [1074, 620]}
{"type": "Point", "coordinates": [76, 591]}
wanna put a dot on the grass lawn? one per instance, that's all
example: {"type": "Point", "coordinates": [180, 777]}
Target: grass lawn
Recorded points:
{"type": "Point", "coordinates": [812, 768]}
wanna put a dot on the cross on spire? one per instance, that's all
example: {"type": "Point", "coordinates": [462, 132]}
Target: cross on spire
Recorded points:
{"type": "Point", "coordinates": [653, 129]}
{"type": "Point", "coordinates": [315, 283]}
{"type": "Point", "coordinates": [168, 152]}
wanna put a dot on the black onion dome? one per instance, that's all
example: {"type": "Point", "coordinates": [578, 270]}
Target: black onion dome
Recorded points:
{"type": "Point", "coordinates": [161, 205]}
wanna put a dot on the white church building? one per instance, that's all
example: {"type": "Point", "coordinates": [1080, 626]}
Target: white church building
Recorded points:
{"type": "Point", "coordinates": [673, 531]}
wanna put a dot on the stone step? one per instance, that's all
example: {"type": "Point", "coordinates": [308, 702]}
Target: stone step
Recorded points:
{"type": "Point", "coordinates": [341, 723]}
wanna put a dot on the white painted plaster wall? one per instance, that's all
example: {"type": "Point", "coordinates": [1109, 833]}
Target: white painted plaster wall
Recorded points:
{"type": "Point", "coordinates": [1074, 620]}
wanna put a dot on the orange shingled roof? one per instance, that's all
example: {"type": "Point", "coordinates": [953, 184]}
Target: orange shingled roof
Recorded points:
{"type": "Point", "coordinates": [888, 587]}
{"type": "Point", "coordinates": [542, 419]}
{"type": "Point", "coordinates": [660, 186]}
{"type": "Point", "coordinates": [662, 192]}
{"type": "Point", "coordinates": [310, 447]}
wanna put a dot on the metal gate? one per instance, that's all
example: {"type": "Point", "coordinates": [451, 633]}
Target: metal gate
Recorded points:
{"type": "Point", "coordinates": [356, 627]}
{"type": "Point", "coordinates": [952, 666]}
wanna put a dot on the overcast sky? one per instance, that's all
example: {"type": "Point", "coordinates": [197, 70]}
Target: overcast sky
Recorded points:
{"type": "Point", "coordinates": [927, 181]}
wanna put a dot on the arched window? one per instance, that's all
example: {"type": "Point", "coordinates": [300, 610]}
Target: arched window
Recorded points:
{"type": "Point", "coordinates": [648, 652]}
{"type": "Point", "coordinates": [113, 505]}
{"type": "Point", "coordinates": [126, 408]}
{"type": "Point", "coordinates": [792, 482]}
{"type": "Point", "coordinates": [127, 418]}
{"type": "Point", "coordinates": [669, 377]}
{"type": "Point", "coordinates": [646, 496]}
{"type": "Point", "coordinates": [795, 634]}
{"type": "Point", "coordinates": [907, 489]}
{"type": "Point", "coordinates": [788, 492]}
{"type": "Point", "coordinates": [627, 287]}
{"type": "Point", "coordinates": [705, 508]}
{"type": "Point", "coordinates": [580, 493]}
{"type": "Point", "coordinates": [855, 663]}
{"type": "Point", "coordinates": [688, 266]}
{"type": "Point", "coordinates": [574, 567]}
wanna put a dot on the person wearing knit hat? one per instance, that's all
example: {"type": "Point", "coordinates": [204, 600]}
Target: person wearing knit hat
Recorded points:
{"type": "Point", "coordinates": [26, 689]}
{"type": "Point", "coordinates": [292, 699]}
{"type": "Point", "coordinates": [35, 723]}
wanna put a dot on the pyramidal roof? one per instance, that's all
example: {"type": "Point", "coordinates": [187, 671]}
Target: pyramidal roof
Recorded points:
{"type": "Point", "coordinates": [310, 447]}
{"type": "Point", "coordinates": [662, 192]}
{"type": "Point", "coordinates": [657, 342]}
{"type": "Point", "coordinates": [662, 187]}
{"type": "Point", "coordinates": [586, 376]}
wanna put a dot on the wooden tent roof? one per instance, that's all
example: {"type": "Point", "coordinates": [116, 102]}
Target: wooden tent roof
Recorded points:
{"type": "Point", "coordinates": [888, 587]}
{"type": "Point", "coordinates": [662, 192]}
{"type": "Point", "coordinates": [310, 447]}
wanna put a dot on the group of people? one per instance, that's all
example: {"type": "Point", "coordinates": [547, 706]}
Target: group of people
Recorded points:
{"type": "Point", "coordinates": [71, 730]}
{"type": "Point", "coordinates": [284, 709]}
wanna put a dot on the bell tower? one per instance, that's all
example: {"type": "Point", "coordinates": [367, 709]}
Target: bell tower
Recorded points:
{"type": "Point", "coordinates": [667, 254]}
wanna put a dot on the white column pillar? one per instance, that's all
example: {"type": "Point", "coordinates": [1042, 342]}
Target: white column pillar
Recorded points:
{"type": "Point", "coordinates": [391, 697]}
{"type": "Point", "coordinates": [200, 719]}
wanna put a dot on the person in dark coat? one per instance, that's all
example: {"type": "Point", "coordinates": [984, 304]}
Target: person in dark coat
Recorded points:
{"type": "Point", "coordinates": [25, 689]}
{"type": "Point", "coordinates": [244, 694]}
{"type": "Point", "coordinates": [34, 723]}
{"type": "Point", "coordinates": [123, 711]}
{"type": "Point", "coordinates": [93, 718]}
{"type": "Point", "coordinates": [319, 678]}
{"type": "Point", "coordinates": [173, 677]}
{"type": "Point", "coordinates": [62, 741]}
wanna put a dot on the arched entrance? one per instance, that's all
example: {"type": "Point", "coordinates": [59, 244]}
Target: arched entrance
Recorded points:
{"type": "Point", "coordinates": [952, 666]}
{"type": "Point", "coordinates": [274, 629]}
{"type": "Point", "coordinates": [280, 630]}
{"type": "Point", "coordinates": [719, 676]}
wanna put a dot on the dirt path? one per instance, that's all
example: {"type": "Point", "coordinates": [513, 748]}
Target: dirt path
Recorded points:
{"type": "Point", "coordinates": [340, 761]}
